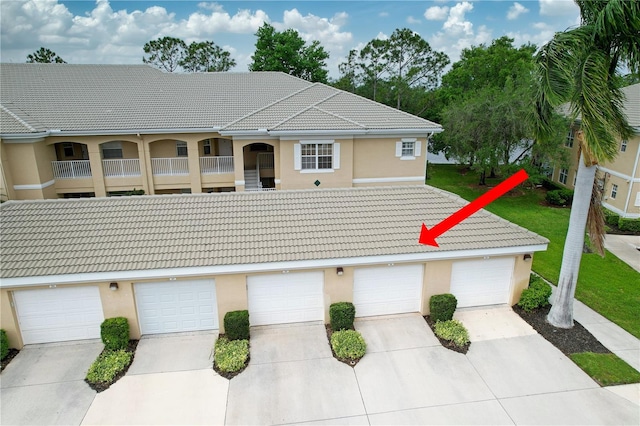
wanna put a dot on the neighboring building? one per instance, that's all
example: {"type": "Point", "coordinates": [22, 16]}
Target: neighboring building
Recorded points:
{"type": "Point", "coordinates": [180, 262]}
{"type": "Point", "coordinates": [620, 178]}
{"type": "Point", "coordinates": [96, 130]}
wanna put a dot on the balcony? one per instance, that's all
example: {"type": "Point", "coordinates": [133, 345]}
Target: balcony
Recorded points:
{"type": "Point", "coordinates": [73, 169]}
{"type": "Point", "coordinates": [176, 166]}
{"type": "Point", "coordinates": [121, 167]}
{"type": "Point", "coordinates": [216, 165]}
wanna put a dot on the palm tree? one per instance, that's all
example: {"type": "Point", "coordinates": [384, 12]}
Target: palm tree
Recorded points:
{"type": "Point", "coordinates": [581, 67]}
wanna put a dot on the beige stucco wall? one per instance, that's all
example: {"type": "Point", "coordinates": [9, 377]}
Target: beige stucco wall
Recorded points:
{"type": "Point", "coordinates": [376, 158]}
{"type": "Point", "coordinates": [8, 320]}
{"type": "Point", "coordinates": [337, 288]}
{"type": "Point", "coordinates": [521, 274]}
{"type": "Point", "coordinates": [231, 294]}
{"type": "Point", "coordinates": [120, 303]}
{"type": "Point", "coordinates": [625, 161]}
{"type": "Point", "coordinates": [437, 280]}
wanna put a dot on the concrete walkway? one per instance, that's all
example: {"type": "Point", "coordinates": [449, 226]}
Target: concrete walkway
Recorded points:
{"type": "Point", "coordinates": [625, 247]}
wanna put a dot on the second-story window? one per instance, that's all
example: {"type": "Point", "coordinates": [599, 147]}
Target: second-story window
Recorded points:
{"type": "Point", "coordinates": [206, 147]}
{"type": "Point", "coordinates": [181, 149]}
{"type": "Point", "coordinates": [614, 191]}
{"type": "Point", "coordinates": [563, 176]}
{"type": "Point", "coordinates": [67, 149]}
{"type": "Point", "coordinates": [623, 146]}
{"type": "Point", "coordinates": [316, 156]}
{"type": "Point", "coordinates": [111, 150]}
{"type": "Point", "coordinates": [569, 142]}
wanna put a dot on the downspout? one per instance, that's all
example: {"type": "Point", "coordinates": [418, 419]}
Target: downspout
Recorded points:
{"type": "Point", "coordinates": [633, 176]}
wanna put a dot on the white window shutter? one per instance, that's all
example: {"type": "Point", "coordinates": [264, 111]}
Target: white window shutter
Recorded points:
{"type": "Point", "coordinates": [399, 149]}
{"type": "Point", "coordinates": [297, 157]}
{"type": "Point", "coordinates": [418, 149]}
{"type": "Point", "coordinates": [336, 156]}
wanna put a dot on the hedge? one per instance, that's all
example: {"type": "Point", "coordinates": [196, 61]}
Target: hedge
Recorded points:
{"type": "Point", "coordinates": [536, 296]}
{"type": "Point", "coordinates": [4, 344]}
{"type": "Point", "coordinates": [236, 325]}
{"type": "Point", "coordinates": [115, 333]}
{"type": "Point", "coordinates": [342, 315]}
{"type": "Point", "coordinates": [630, 225]}
{"type": "Point", "coordinates": [442, 307]}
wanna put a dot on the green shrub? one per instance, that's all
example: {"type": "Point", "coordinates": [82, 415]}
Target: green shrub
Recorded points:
{"type": "Point", "coordinates": [236, 325]}
{"type": "Point", "coordinates": [4, 344]}
{"type": "Point", "coordinates": [230, 355]}
{"type": "Point", "coordinates": [536, 296]}
{"type": "Point", "coordinates": [348, 344]}
{"type": "Point", "coordinates": [560, 197]}
{"type": "Point", "coordinates": [610, 217]}
{"type": "Point", "coordinates": [550, 185]}
{"type": "Point", "coordinates": [442, 306]}
{"type": "Point", "coordinates": [342, 315]}
{"type": "Point", "coordinates": [115, 333]}
{"type": "Point", "coordinates": [453, 331]}
{"type": "Point", "coordinates": [108, 365]}
{"type": "Point", "coordinates": [631, 225]}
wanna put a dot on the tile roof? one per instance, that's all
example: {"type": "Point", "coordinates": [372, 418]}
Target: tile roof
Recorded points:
{"type": "Point", "coordinates": [632, 104]}
{"type": "Point", "coordinates": [102, 98]}
{"type": "Point", "coordinates": [50, 237]}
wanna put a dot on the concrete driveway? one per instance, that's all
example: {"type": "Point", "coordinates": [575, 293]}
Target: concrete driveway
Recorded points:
{"type": "Point", "coordinates": [44, 384]}
{"type": "Point", "coordinates": [510, 375]}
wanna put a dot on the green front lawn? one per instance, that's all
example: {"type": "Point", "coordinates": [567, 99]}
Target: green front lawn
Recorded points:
{"type": "Point", "coordinates": [606, 369]}
{"type": "Point", "coordinates": [609, 286]}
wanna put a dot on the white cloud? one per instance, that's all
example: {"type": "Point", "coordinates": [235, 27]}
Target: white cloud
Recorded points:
{"type": "Point", "coordinates": [542, 34]}
{"type": "Point", "coordinates": [412, 20]}
{"type": "Point", "coordinates": [383, 14]}
{"type": "Point", "coordinates": [436, 13]}
{"type": "Point", "coordinates": [458, 32]}
{"type": "Point", "coordinates": [382, 36]}
{"type": "Point", "coordinates": [558, 8]}
{"type": "Point", "coordinates": [456, 23]}
{"type": "Point", "coordinates": [516, 10]}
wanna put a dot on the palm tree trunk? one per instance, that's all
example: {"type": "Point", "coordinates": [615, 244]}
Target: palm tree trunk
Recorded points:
{"type": "Point", "coordinates": [561, 313]}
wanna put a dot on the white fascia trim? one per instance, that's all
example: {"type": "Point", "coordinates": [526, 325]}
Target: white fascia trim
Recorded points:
{"type": "Point", "coordinates": [153, 274]}
{"type": "Point", "coordinates": [620, 212]}
{"type": "Point", "coordinates": [261, 137]}
{"type": "Point", "coordinates": [258, 132]}
{"type": "Point", "coordinates": [24, 138]}
{"type": "Point", "coordinates": [131, 132]}
{"type": "Point", "coordinates": [618, 174]}
{"type": "Point", "coordinates": [385, 132]}
{"type": "Point", "coordinates": [34, 186]}
{"type": "Point", "coordinates": [391, 179]}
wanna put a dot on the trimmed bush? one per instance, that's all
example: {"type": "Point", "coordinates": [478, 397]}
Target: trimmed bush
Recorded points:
{"type": "Point", "coordinates": [348, 344]}
{"type": "Point", "coordinates": [442, 306]}
{"type": "Point", "coordinates": [4, 344]}
{"type": "Point", "coordinates": [115, 333]}
{"type": "Point", "coordinates": [536, 296]}
{"type": "Point", "coordinates": [236, 325]}
{"type": "Point", "coordinates": [230, 355]}
{"type": "Point", "coordinates": [342, 315]}
{"type": "Point", "coordinates": [610, 217]}
{"type": "Point", "coordinates": [108, 365]}
{"type": "Point", "coordinates": [560, 197]}
{"type": "Point", "coordinates": [630, 225]}
{"type": "Point", "coordinates": [453, 331]}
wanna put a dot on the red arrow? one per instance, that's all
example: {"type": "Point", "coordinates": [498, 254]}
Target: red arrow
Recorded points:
{"type": "Point", "coordinates": [428, 236]}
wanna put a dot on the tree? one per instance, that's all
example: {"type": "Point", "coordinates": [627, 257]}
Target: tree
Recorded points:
{"type": "Point", "coordinates": [286, 51]}
{"type": "Point", "coordinates": [45, 56]}
{"type": "Point", "coordinates": [410, 62]}
{"type": "Point", "coordinates": [165, 53]}
{"type": "Point", "coordinates": [580, 67]}
{"type": "Point", "coordinates": [206, 56]}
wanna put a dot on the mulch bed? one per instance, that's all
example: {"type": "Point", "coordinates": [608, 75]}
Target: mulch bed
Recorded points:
{"type": "Point", "coordinates": [11, 355]}
{"type": "Point", "coordinates": [102, 386]}
{"type": "Point", "coordinates": [446, 343]}
{"type": "Point", "coordinates": [231, 374]}
{"type": "Point", "coordinates": [569, 341]}
{"type": "Point", "coordinates": [350, 362]}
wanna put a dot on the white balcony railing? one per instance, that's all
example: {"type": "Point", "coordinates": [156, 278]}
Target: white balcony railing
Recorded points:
{"type": "Point", "coordinates": [265, 160]}
{"type": "Point", "coordinates": [73, 169]}
{"type": "Point", "coordinates": [259, 189]}
{"type": "Point", "coordinates": [216, 165]}
{"type": "Point", "coordinates": [121, 167]}
{"type": "Point", "coordinates": [170, 166]}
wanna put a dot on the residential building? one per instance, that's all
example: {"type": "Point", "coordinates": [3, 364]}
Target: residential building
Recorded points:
{"type": "Point", "coordinates": [619, 178]}
{"type": "Point", "coordinates": [97, 130]}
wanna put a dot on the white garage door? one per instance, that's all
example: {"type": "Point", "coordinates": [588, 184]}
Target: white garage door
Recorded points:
{"type": "Point", "coordinates": [285, 298]}
{"type": "Point", "coordinates": [59, 314]}
{"type": "Point", "coordinates": [387, 290]}
{"type": "Point", "coordinates": [174, 306]}
{"type": "Point", "coordinates": [482, 281]}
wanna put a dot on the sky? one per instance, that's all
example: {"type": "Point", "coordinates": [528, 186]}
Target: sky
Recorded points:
{"type": "Point", "coordinates": [114, 31]}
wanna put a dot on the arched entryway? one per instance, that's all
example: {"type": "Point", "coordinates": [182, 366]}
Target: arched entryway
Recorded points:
{"type": "Point", "coordinates": [259, 172]}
